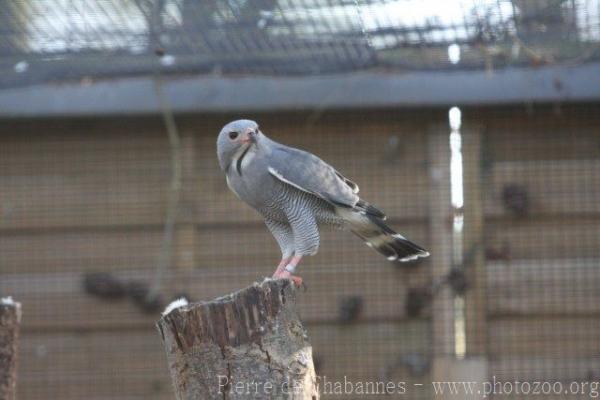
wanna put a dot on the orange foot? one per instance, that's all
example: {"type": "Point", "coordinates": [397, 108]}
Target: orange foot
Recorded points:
{"type": "Point", "coordinates": [297, 281]}
{"type": "Point", "coordinates": [287, 275]}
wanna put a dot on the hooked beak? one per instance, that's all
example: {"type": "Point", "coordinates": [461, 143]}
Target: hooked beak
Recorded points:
{"type": "Point", "coordinates": [249, 137]}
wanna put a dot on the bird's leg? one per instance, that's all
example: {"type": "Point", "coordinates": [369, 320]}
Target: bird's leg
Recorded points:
{"type": "Point", "coordinates": [289, 269]}
{"type": "Point", "coordinates": [280, 268]}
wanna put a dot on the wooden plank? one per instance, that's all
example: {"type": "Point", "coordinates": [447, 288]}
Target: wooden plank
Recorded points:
{"type": "Point", "coordinates": [124, 148]}
{"type": "Point", "coordinates": [371, 352]}
{"type": "Point", "coordinates": [47, 200]}
{"type": "Point", "coordinates": [546, 287]}
{"type": "Point", "coordinates": [221, 246]}
{"type": "Point", "coordinates": [343, 267]}
{"type": "Point", "coordinates": [253, 246]}
{"type": "Point", "coordinates": [553, 186]}
{"type": "Point", "coordinates": [529, 368]}
{"type": "Point", "coordinates": [82, 181]}
{"type": "Point", "coordinates": [79, 251]}
{"type": "Point", "coordinates": [541, 137]}
{"type": "Point", "coordinates": [545, 237]}
{"type": "Point", "coordinates": [561, 336]}
{"type": "Point", "coordinates": [542, 396]}
{"type": "Point", "coordinates": [58, 300]}
{"type": "Point", "coordinates": [101, 365]}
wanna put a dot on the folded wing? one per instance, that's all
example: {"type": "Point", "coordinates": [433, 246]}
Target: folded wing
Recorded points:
{"type": "Point", "coordinates": [309, 173]}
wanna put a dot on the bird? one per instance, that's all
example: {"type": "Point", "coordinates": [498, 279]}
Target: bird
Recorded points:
{"type": "Point", "coordinates": [297, 193]}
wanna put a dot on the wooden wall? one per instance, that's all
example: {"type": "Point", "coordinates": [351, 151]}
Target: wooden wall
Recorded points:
{"type": "Point", "coordinates": [543, 299]}
{"type": "Point", "coordinates": [87, 195]}
{"type": "Point", "coordinates": [90, 195]}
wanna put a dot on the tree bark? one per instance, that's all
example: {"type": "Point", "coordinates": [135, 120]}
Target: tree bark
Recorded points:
{"type": "Point", "coordinates": [10, 320]}
{"type": "Point", "coordinates": [247, 345]}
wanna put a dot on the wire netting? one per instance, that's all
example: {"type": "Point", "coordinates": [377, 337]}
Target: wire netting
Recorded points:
{"type": "Point", "coordinates": [83, 206]}
{"type": "Point", "coordinates": [506, 198]}
{"type": "Point", "coordinates": [78, 39]}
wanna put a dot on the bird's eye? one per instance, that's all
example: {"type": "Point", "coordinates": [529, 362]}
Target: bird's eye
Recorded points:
{"type": "Point", "coordinates": [233, 135]}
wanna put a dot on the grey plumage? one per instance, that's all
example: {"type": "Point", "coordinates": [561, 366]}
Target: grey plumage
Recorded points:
{"type": "Point", "coordinates": [296, 191]}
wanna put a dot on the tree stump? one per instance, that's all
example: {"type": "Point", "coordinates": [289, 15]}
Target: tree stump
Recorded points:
{"type": "Point", "coordinates": [246, 345]}
{"type": "Point", "coordinates": [10, 320]}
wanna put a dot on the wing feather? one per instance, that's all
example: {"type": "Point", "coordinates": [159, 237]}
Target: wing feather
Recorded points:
{"type": "Point", "coordinates": [309, 173]}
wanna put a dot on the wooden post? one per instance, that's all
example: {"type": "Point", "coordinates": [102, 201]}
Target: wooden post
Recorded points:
{"type": "Point", "coordinates": [186, 235]}
{"type": "Point", "coordinates": [446, 365]}
{"type": "Point", "coordinates": [248, 344]}
{"type": "Point", "coordinates": [475, 297]}
{"type": "Point", "coordinates": [440, 228]}
{"type": "Point", "coordinates": [10, 321]}
{"type": "Point", "coordinates": [185, 254]}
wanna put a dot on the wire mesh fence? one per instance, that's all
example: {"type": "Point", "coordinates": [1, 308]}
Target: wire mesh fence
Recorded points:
{"type": "Point", "coordinates": [506, 199]}
{"type": "Point", "coordinates": [513, 283]}
{"type": "Point", "coordinates": [75, 39]}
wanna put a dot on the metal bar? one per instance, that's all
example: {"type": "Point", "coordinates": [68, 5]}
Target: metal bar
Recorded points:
{"type": "Point", "coordinates": [360, 90]}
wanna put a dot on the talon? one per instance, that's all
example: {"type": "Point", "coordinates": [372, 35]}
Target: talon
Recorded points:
{"type": "Point", "coordinates": [297, 281]}
{"type": "Point", "coordinates": [285, 269]}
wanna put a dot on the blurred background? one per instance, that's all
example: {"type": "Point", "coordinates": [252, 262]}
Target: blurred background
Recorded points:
{"type": "Point", "coordinates": [475, 124]}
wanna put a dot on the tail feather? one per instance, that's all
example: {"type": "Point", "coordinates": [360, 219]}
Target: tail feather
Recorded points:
{"type": "Point", "coordinates": [369, 209]}
{"type": "Point", "coordinates": [379, 236]}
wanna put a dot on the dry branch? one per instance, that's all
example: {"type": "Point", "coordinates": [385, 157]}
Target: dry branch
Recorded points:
{"type": "Point", "coordinates": [248, 344]}
{"type": "Point", "coordinates": [10, 320]}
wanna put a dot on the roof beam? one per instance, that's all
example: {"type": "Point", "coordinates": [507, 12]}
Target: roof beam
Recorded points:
{"type": "Point", "coordinates": [137, 96]}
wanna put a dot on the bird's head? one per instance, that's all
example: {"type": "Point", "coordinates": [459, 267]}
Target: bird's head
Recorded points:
{"type": "Point", "coordinates": [234, 139]}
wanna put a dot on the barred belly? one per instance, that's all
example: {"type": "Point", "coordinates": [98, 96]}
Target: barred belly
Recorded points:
{"type": "Point", "coordinates": [288, 201]}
